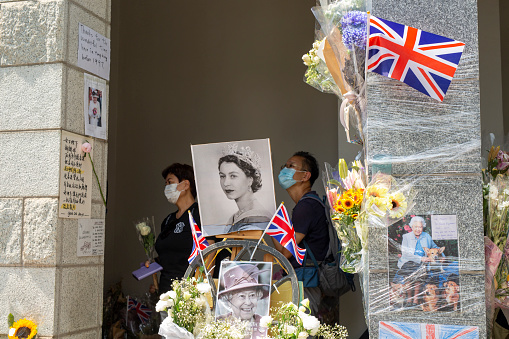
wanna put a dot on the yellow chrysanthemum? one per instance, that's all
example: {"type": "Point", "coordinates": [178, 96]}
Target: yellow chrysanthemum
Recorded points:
{"type": "Point", "coordinates": [398, 205]}
{"type": "Point", "coordinates": [23, 328]}
{"type": "Point", "coordinates": [347, 203]}
{"type": "Point", "coordinates": [377, 191]}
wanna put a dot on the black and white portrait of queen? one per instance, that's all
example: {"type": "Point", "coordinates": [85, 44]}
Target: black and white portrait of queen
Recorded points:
{"type": "Point", "coordinates": [239, 196]}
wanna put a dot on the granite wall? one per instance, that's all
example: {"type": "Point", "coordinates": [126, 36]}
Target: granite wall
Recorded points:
{"type": "Point", "coordinates": [41, 91]}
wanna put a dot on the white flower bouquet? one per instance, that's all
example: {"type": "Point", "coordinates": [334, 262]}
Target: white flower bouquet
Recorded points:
{"type": "Point", "coordinates": [145, 229]}
{"type": "Point", "coordinates": [187, 307]}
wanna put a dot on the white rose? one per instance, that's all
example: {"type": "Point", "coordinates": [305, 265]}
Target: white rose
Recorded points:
{"type": "Point", "coordinates": [266, 321]}
{"type": "Point", "coordinates": [172, 294]}
{"type": "Point", "coordinates": [140, 225]}
{"type": "Point", "coordinates": [145, 230]}
{"type": "Point", "coordinates": [161, 306]}
{"type": "Point", "coordinates": [302, 335]}
{"type": "Point", "coordinates": [170, 303]}
{"type": "Point", "coordinates": [305, 303]}
{"type": "Point", "coordinates": [289, 329]}
{"type": "Point", "coordinates": [310, 323]}
{"type": "Point", "coordinates": [164, 296]}
{"type": "Point", "coordinates": [203, 288]}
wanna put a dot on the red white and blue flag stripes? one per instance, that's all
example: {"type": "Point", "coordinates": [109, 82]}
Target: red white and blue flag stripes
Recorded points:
{"type": "Point", "coordinates": [142, 311]}
{"type": "Point", "coordinates": [422, 60]}
{"type": "Point", "coordinates": [199, 241]}
{"type": "Point", "coordinates": [400, 330]}
{"type": "Point", "coordinates": [281, 229]}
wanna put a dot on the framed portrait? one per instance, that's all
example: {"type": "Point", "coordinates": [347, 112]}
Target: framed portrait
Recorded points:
{"type": "Point", "coordinates": [95, 106]}
{"type": "Point", "coordinates": [235, 185]}
{"type": "Point", "coordinates": [424, 264]}
{"type": "Point", "coordinates": [244, 292]}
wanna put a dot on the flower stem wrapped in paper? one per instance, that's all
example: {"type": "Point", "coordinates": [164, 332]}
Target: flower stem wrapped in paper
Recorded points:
{"type": "Point", "coordinates": [345, 192]}
{"type": "Point", "coordinates": [187, 307]}
{"type": "Point", "coordinates": [145, 230]}
{"type": "Point", "coordinates": [336, 63]}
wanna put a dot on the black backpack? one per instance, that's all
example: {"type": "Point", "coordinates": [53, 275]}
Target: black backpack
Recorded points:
{"type": "Point", "coordinates": [333, 281]}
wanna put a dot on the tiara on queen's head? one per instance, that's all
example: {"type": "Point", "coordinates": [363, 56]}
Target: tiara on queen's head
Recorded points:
{"type": "Point", "coordinates": [243, 153]}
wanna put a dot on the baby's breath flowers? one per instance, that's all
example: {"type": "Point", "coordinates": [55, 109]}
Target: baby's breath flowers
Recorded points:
{"type": "Point", "coordinates": [317, 74]}
{"type": "Point", "coordinates": [230, 328]}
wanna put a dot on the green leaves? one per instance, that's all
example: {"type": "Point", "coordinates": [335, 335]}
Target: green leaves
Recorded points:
{"type": "Point", "coordinates": [10, 319]}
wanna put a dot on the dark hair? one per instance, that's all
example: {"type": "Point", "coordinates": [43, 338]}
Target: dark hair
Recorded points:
{"type": "Point", "coordinates": [182, 172]}
{"type": "Point", "coordinates": [310, 164]}
{"type": "Point", "coordinates": [248, 170]}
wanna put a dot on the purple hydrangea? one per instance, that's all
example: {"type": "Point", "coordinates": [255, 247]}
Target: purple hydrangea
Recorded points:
{"type": "Point", "coordinates": [353, 26]}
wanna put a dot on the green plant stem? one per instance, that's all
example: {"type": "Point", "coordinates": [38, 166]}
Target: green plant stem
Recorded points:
{"type": "Point", "coordinates": [97, 178]}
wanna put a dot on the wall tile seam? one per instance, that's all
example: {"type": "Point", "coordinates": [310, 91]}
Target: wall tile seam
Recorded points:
{"type": "Point", "coordinates": [30, 197]}
{"type": "Point", "coordinates": [29, 265]}
{"type": "Point", "coordinates": [22, 235]}
{"type": "Point", "coordinates": [68, 334]}
{"type": "Point", "coordinates": [63, 62]}
{"type": "Point", "coordinates": [104, 20]}
{"type": "Point", "coordinates": [58, 301]}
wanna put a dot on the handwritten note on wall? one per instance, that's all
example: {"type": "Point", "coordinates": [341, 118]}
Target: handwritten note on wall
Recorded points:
{"type": "Point", "coordinates": [75, 178]}
{"type": "Point", "coordinates": [90, 237]}
{"type": "Point", "coordinates": [94, 52]}
{"type": "Point", "coordinates": [444, 227]}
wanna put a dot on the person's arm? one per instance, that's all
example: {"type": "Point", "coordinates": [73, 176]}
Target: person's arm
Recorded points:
{"type": "Point", "coordinates": [284, 251]}
{"type": "Point", "coordinates": [407, 252]}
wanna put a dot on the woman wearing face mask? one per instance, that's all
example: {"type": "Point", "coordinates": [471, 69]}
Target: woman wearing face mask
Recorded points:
{"type": "Point", "coordinates": [175, 242]}
{"type": "Point", "coordinates": [240, 179]}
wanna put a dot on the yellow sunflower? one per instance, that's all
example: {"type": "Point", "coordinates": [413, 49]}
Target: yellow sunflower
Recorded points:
{"type": "Point", "coordinates": [347, 203]}
{"type": "Point", "coordinates": [23, 329]}
{"type": "Point", "coordinates": [376, 191]}
{"type": "Point", "coordinates": [339, 207]}
{"type": "Point", "coordinates": [398, 205]}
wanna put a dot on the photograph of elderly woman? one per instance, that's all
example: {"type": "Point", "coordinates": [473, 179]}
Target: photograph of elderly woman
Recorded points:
{"type": "Point", "coordinates": [235, 185]}
{"type": "Point", "coordinates": [244, 293]}
{"type": "Point", "coordinates": [423, 264]}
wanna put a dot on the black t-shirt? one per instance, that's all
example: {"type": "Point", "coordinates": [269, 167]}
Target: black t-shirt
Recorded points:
{"type": "Point", "coordinates": [308, 217]}
{"type": "Point", "coordinates": [174, 245]}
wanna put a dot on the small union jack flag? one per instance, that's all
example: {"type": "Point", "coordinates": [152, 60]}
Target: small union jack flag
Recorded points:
{"type": "Point", "coordinates": [400, 330]}
{"type": "Point", "coordinates": [422, 60]}
{"type": "Point", "coordinates": [199, 241]}
{"type": "Point", "coordinates": [281, 229]}
{"type": "Point", "coordinates": [142, 311]}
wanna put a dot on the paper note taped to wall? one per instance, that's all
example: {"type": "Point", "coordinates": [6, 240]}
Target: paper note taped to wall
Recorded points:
{"type": "Point", "coordinates": [94, 52]}
{"type": "Point", "coordinates": [75, 199]}
{"type": "Point", "coordinates": [444, 227]}
{"type": "Point", "coordinates": [90, 237]}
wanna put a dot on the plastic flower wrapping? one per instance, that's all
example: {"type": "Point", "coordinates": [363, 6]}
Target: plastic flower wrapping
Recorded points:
{"type": "Point", "coordinates": [145, 228]}
{"type": "Point", "coordinates": [291, 322]}
{"type": "Point", "coordinates": [496, 219]}
{"type": "Point", "coordinates": [187, 307]}
{"type": "Point", "coordinates": [336, 62]}
{"type": "Point", "coordinates": [356, 206]}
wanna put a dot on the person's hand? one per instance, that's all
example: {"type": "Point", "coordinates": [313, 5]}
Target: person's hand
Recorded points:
{"type": "Point", "coordinates": [147, 264]}
{"type": "Point", "coordinates": [425, 259]}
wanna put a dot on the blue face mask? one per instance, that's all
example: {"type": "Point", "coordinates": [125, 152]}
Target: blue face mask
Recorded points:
{"type": "Point", "coordinates": [285, 177]}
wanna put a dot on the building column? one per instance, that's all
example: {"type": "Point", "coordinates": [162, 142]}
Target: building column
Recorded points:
{"type": "Point", "coordinates": [437, 146]}
{"type": "Point", "coordinates": [41, 94]}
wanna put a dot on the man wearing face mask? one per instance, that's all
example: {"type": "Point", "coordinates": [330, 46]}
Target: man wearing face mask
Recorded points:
{"type": "Point", "coordinates": [175, 242]}
{"type": "Point", "coordinates": [297, 176]}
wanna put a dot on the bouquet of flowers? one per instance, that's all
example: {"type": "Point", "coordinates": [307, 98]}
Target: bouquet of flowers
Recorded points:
{"type": "Point", "coordinates": [187, 307]}
{"type": "Point", "coordinates": [345, 192]}
{"type": "Point", "coordinates": [145, 229]}
{"type": "Point", "coordinates": [336, 64]}
{"type": "Point", "coordinates": [292, 322]}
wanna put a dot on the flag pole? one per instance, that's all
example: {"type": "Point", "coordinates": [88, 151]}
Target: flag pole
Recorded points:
{"type": "Point", "coordinates": [265, 231]}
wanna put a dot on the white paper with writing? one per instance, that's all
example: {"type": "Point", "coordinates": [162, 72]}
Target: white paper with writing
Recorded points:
{"type": "Point", "coordinates": [90, 237]}
{"type": "Point", "coordinates": [75, 198]}
{"type": "Point", "coordinates": [444, 227]}
{"type": "Point", "coordinates": [94, 52]}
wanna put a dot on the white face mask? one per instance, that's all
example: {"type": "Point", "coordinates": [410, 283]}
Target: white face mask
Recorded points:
{"type": "Point", "coordinates": [171, 193]}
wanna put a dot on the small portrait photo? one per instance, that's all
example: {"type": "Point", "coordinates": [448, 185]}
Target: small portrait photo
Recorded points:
{"type": "Point", "coordinates": [95, 105]}
{"type": "Point", "coordinates": [244, 293]}
{"type": "Point", "coordinates": [424, 264]}
{"type": "Point", "coordinates": [235, 185]}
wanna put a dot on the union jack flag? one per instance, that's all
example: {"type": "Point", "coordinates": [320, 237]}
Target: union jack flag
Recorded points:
{"type": "Point", "coordinates": [422, 60]}
{"type": "Point", "coordinates": [282, 230]}
{"type": "Point", "coordinates": [199, 241]}
{"type": "Point", "coordinates": [399, 330]}
{"type": "Point", "coordinates": [142, 311]}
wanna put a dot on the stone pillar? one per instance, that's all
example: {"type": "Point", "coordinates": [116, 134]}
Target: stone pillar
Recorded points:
{"type": "Point", "coordinates": [41, 91]}
{"type": "Point", "coordinates": [437, 145]}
